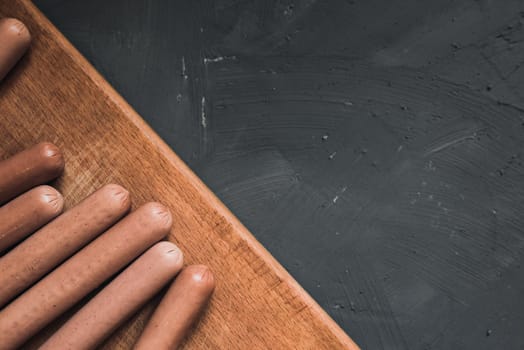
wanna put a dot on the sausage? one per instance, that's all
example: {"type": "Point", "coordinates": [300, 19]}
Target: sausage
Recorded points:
{"type": "Point", "coordinates": [119, 300]}
{"type": "Point", "coordinates": [178, 310]}
{"type": "Point", "coordinates": [61, 238]}
{"type": "Point", "coordinates": [28, 212]}
{"type": "Point", "coordinates": [14, 41]}
{"type": "Point", "coordinates": [82, 273]}
{"type": "Point", "coordinates": [27, 169]}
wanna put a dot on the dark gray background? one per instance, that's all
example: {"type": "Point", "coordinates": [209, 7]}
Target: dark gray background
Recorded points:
{"type": "Point", "coordinates": [374, 147]}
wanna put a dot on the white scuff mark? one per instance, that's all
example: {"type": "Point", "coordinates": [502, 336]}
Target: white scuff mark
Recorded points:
{"type": "Point", "coordinates": [430, 166]}
{"type": "Point", "coordinates": [184, 71]}
{"type": "Point", "coordinates": [400, 148]}
{"type": "Point", "coordinates": [288, 11]}
{"type": "Point", "coordinates": [361, 154]}
{"type": "Point", "coordinates": [449, 144]}
{"type": "Point", "coordinates": [203, 118]}
{"type": "Point", "coordinates": [213, 60]}
{"type": "Point", "coordinates": [179, 98]}
{"type": "Point", "coordinates": [218, 59]}
{"type": "Point", "coordinates": [332, 155]}
{"type": "Point", "coordinates": [337, 196]}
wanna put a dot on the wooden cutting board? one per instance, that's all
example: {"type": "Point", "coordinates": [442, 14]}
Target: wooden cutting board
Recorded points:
{"type": "Point", "coordinates": [54, 94]}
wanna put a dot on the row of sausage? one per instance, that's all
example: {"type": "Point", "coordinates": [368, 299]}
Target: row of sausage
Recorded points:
{"type": "Point", "coordinates": [51, 260]}
{"type": "Point", "coordinates": [73, 253]}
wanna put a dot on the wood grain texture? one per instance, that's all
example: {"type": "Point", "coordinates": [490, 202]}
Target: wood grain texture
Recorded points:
{"type": "Point", "coordinates": [54, 94]}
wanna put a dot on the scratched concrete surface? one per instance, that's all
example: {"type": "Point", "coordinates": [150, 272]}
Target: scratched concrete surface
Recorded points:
{"type": "Point", "coordinates": [374, 147]}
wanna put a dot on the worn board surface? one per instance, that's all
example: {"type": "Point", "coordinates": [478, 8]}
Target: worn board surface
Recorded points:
{"type": "Point", "coordinates": [55, 95]}
{"type": "Point", "coordinates": [410, 234]}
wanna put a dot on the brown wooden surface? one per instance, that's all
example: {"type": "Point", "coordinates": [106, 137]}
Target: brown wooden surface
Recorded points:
{"type": "Point", "coordinates": [54, 94]}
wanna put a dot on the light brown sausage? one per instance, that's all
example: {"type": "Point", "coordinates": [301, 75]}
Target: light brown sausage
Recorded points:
{"type": "Point", "coordinates": [14, 41]}
{"type": "Point", "coordinates": [82, 273]}
{"type": "Point", "coordinates": [61, 238]}
{"type": "Point", "coordinates": [119, 300]}
{"type": "Point", "coordinates": [28, 212]}
{"type": "Point", "coordinates": [27, 169]}
{"type": "Point", "coordinates": [178, 310]}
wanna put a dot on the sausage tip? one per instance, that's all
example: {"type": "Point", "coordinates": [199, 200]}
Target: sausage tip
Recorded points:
{"type": "Point", "coordinates": [17, 28]}
{"type": "Point", "coordinates": [49, 150]}
{"type": "Point", "coordinates": [160, 214]}
{"type": "Point", "coordinates": [202, 276]}
{"type": "Point", "coordinates": [119, 194]}
{"type": "Point", "coordinates": [51, 196]}
{"type": "Point", "coordinates": [170, 253]}
{"type": "Point", "coordinates": [15, 42]}
{"type": "Point", "coordinates": [53, 156]}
